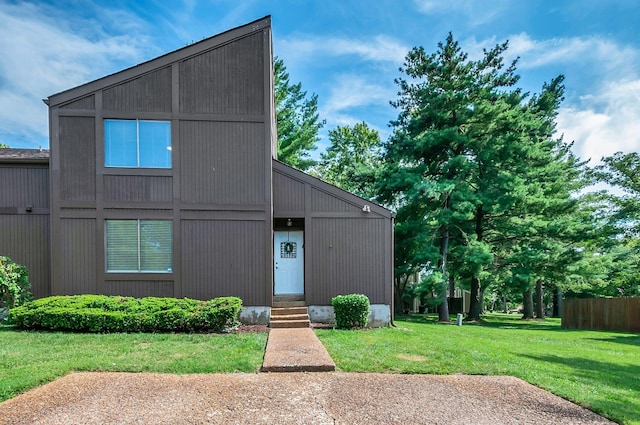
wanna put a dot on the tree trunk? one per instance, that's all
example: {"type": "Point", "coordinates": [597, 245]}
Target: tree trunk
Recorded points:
{"type": "Point", "coordinates": [475, 306]}
{"type": "Point", "coordinates": [527, 304]}
{"type": "Point", "coordinates": [443, 310]}
{"type": "Point", "coordinates": [557, 302]}
{"type": "Point", "coordinates": [452, 286]}
{"type": "Point", "coordinates": [399, 287]}
{"type": "Point", "coordinates": [539, 300]}
{"type": "Point", "coordinates": [504, 303]}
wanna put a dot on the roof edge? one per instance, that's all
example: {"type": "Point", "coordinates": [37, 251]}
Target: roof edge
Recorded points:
{"type": "Point", "coordinates": [331, 189]}
{"type": "Point", "coordinates": [159, 62]}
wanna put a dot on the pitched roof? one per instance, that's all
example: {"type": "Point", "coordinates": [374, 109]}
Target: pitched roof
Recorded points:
{"type": "Point", "coordinates": [159, 62]}
{"type": "Point", "coordinates": [330, 189]}
{"type": "Point", "coordinates": [24, 155]}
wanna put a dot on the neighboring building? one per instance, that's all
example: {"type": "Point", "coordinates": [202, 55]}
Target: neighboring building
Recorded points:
{"type": "Point", "coordinates": [165, 182]}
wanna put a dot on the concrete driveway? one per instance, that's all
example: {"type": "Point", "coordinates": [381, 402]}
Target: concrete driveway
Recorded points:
{"type": "Point", "coordinates": [290, 398]}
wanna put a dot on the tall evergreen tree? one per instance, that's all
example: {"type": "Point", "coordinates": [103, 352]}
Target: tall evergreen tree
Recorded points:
{"type": "Point", "coordinates": [297, 119]}
{"type": "Point", "coordinates": [352, 159]}
{"type": "Point", "coordinates": [474, 160]}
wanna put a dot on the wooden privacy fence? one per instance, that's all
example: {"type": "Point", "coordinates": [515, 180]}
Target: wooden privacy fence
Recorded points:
{"type": "Point", "coordinates": [606, 314]}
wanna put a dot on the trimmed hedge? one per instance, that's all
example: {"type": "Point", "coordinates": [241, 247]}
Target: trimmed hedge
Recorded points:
{"type": "Point", "coordinates": [102, 314]}
{"type": "Point", "coordinates": [351, 311]}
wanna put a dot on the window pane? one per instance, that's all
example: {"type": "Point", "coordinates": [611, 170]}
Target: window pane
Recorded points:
{"type": "Point", "coordinates": [122, 245]}
{"type": "Point", "coordinates": [156, 245]}
{"type": "Point", "coordinates": [155, 144]}
{"type": "Point", "coordinates": [120, 146]}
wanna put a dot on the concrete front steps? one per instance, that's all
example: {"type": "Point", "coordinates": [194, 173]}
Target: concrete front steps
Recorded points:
{"type": "Point", "coordinates": [289, 312]}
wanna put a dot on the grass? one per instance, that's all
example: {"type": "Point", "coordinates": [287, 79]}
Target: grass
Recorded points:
{"type": "Point", "coordinates": [29, 359]}
{"type": "Point", "coordinates": [598, 370]}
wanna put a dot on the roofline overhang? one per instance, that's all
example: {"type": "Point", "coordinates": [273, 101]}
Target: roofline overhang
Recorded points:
{"type": "Point", "coordinates": [159, 62]}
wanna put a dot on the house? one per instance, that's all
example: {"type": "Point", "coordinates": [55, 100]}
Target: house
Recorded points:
{"type": "Point", "coordinates": [164, 181]}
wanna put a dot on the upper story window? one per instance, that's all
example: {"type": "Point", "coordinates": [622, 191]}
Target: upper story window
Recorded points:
{"type": "Point", "coordinates": [137, 143]}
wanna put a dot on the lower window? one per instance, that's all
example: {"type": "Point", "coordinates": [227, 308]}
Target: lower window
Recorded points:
{"type": "Point", "coordinates": [139, 246]}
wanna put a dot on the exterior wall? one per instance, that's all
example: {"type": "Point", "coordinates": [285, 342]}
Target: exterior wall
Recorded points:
{"type": "Point", "coordinates": [347, 250]}
{"type": "Point", "coordinates": [217, 96]}
{"type": "Point", "coordinates": [24, 235]}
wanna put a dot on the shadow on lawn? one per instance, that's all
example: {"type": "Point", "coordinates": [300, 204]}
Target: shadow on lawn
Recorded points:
{"type": "Point", "coordinates": [620, 339]}
{"type": "Point", "coordinates": [503, 322]}
{"type": "Point", "coordinates": [609, 376]}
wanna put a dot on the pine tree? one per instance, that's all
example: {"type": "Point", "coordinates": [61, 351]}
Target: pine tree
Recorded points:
{"type": "Point", "coordinates": [297, 119]}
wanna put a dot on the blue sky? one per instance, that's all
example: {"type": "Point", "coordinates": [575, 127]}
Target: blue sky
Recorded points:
{"type": "Point", "coordinates": [348, 52]}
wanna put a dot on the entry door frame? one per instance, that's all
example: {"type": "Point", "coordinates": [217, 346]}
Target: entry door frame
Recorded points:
{"type": "Point", "coordinates": [288, 266]}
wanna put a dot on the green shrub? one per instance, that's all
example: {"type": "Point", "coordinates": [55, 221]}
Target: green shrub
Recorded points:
{"type": "Point", "coordinates": [14, 284]}
{"type": "Point", "coordinates": [351, 311]}
{"type": "Point", "coordinates": [101, 313]}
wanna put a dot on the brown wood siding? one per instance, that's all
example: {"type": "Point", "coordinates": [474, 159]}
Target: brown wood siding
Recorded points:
{"type": "Point", "coordinates": [138, 188]}
{"type": "Point", "coordinates": [226, 80]}
{"type": "Point", "coordinates": [138, 289]}
{"type": "Point", "coordinates": [322, 201]}
{"type": "Point", "coordinates": [148, 93]}
{"type": "Point", "coordinates": [78, 159]}
{"type": "Point", "coordinates": [224, 258]}
{"type": "Point", "coordinates": [288, 195]}
{"type": "Point", "coordinates": [346, 256]}
{"type": "Point", "coordinates": [78, 246]}
{"type": "Point", "coordinates": [88, 102]}
{"type": "Point", "coordinates": [222, 162]}
{"type": "Point", "coordinates": [23, 186]}
{"type": "Point", "coordinates": [25, 238]}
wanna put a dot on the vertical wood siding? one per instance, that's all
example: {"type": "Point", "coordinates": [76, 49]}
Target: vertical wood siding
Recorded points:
{"type": "Point", "coordinates": [321, 201]}
{"type": "Point", "coordinates": [88, 102]}
{"type": "Point", "coordinates": [222, 162]}
{"type": "Point", "coordinates": [138, 188]}
{"type": "Point", "coordinates": [346, 256]}
{"type": "Point", "coordinates": [149, 93]}
{"type": "Point", "coordinates": [226, 80]}
{"type": "Point", "coordinates": [223, 258]}
{"type": "Point", "coordinates": [288, 194]}
{"type": "Point", "coordinates": [25, 238]}
{"type": "Point", "coordinates": [78, 159]}
{"type": "Point", "coordinates": [138, 289]}
{"type": "Point", "coordinates": [22, 186]}
{"type": "Point", "coordinates": [78, 256]}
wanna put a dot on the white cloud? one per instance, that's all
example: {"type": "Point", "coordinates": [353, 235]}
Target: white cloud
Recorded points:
{"type": "Point", "coordinates": [380, 49]}
{"type": "Point", "coordinates": [43, 54]}
{"type": "Point", "coordinates": [604, 55]}
{"type": "Point", "coordinates": [605, 122]}
{"type": "Point", "coordinates": [473, 12]}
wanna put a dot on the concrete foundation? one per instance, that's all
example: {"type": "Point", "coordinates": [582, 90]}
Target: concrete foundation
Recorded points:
{"type": "Point", "coordinates": [379, 316]}
{"type": "Point", "coordinates": [255, 315]}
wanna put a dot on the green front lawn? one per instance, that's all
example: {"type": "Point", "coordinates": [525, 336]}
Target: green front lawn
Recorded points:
{"type": "Point", "coordinates": [599, 370]}
{"type": "Point", "coordinates": [28, 359]}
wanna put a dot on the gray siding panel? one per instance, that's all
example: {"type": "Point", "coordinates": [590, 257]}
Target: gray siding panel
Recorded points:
{"type": "Point", "coordinates": [25, 238]}
{"type": "Point", "coordinates": [321, 201]}
{"type": "Point", "coordinates": [288, 194]}
{"type": "Point", "coordinates": [78, 256]}
{"type": "Point", "coordinates": [88, 102]}
{"type": "Point", "coordinates": [148, 93]}
{"type": "Point", "coordinates": [138, 188]}
{"type": "Point", "coordinates": [224, 258]}
{"type": "Point", "coordinates": [22, 186]}
{"type": "Point", "coordinates": [222, 162]}
{"type": "Point", "coordinates": [226, 80]}
{"type": "Point", "coordinates": [138, 289]}
{"type": "Point", "coordinates": [78, 159]}
{"type": "Point", "coordinates": [347, 256]}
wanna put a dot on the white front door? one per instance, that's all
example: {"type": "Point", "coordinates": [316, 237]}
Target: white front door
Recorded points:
{"type": "Point", "coordinates": [288, 262]}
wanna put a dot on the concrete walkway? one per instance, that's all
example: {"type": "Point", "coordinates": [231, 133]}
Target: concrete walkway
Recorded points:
{"type": "Point", "coordinates": [296, 350]}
